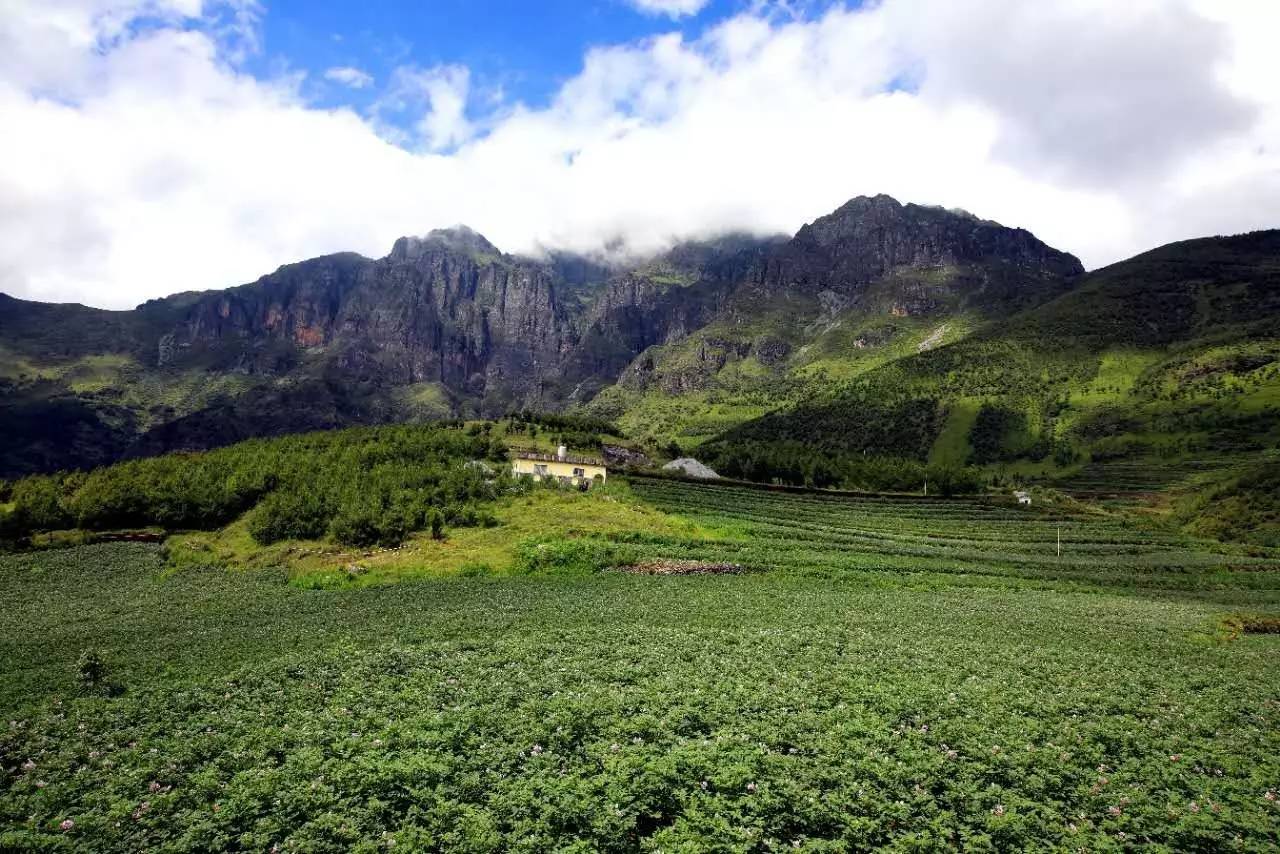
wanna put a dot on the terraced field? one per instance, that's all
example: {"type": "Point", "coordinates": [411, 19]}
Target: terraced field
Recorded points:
{"type": "Point", "coordinates": [968, 541]}
{"type": "Point", "coordinates": [1127, 477]}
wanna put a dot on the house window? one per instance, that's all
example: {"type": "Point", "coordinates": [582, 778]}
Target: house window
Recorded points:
{"type": "Point", "coordinates": [540, 470]}
{"type": "Point", "coordinates": [579, 472]}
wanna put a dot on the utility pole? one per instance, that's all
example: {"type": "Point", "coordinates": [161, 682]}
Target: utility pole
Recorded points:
{"type": "Point", "coordinates": [1059, 541]}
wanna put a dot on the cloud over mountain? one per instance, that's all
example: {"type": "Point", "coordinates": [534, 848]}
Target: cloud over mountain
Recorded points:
{"type": "Point", "coordinates": [142, 158]}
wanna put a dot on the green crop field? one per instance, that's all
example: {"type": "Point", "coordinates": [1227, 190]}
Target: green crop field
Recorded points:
{"type": "Point", "coordinates": [911, 674]}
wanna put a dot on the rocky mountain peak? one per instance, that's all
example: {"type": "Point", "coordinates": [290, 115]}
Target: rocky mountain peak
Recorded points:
{"type": "Point", "coordinates": [458, 238]}
{"type": "Point", "coordinates": [869, 236]}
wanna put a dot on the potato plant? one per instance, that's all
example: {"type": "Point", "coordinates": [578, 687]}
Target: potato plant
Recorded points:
{"type": "Point", "coordinates": [901, 675]}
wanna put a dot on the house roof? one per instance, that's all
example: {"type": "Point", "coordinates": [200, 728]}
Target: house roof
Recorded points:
{"type": "Point", "coordinates": [541, 457]}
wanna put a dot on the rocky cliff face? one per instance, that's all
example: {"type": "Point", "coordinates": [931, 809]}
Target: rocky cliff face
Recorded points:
{"type": "Point", "coordinates": [448, 308]}
{"type": "Point", "coordinates": [868, 238]}
{"type": "Point", "coordinates": [297, 305]}
{"type": "Point", "coordinates": [338, 339]}
{"type": "Point", "coordinates": [456, 312]}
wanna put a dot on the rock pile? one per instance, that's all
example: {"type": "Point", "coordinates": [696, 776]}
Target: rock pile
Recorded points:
{"type": "Point", "coordinates": [690, 467]}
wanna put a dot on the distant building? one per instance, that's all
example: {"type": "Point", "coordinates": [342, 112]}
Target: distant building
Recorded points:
{"type": "Point", "coordinates": [565, 467]}
{"type": "Point", "coordinates": [1023, 496]}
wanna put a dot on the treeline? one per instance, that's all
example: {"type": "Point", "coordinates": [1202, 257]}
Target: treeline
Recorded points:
{"type": "Point", "coordinates": [578, 431]}
{"type": "Point", "coordinates": [361, 486]}
{"type": "Point", "coordinates": [558, 421]}
{"type": "Point", "coordinates": [799, 464]}
{"type": "Point", "coordinates": [859, 419]}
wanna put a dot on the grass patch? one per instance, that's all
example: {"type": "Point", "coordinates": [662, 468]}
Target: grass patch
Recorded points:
{"type": "Point", "coordinates": [426, 401]}
{"type": "Point", "coordinates": [952, 445]}
{"type": "Point", "coordinates": [543, 515]}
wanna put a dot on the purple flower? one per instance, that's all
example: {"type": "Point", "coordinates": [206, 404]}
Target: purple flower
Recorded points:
{"type": "Point", "coordinates": [66, 825]}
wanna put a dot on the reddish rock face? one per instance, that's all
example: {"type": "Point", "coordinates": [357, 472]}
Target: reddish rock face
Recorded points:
{"type": "Point", "coordinates": [308, 336]}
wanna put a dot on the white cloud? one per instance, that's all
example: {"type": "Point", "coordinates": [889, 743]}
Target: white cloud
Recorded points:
{"type": "Point", "coordinates": [138, 162]}
{"type": "Point", "coordinates": [346, 75]}
{"type": "Point", "coordinates": [670, 8]}
{"type": "Point", "coordinates": [439, 96]}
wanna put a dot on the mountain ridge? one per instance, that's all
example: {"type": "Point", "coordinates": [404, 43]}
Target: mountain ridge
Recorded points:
{"type": "Point", "coordinates": [446, 324]}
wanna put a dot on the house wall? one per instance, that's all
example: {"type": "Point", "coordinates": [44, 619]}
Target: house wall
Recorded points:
{"type": "Point", "coordinates": [555, 468]}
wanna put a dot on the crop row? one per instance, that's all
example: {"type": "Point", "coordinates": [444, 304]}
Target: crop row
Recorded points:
{"type": "Point", "coordinates": [838, 534]}
{"type": "Point", "coordinates": [616, 713]}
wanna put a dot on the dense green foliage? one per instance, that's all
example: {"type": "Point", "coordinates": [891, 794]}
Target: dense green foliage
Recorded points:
{"type": "Point", "coordinates": [558, 422]}
{"type": "Point", "coordinates": [1245, 508]}
{"type": "Point", "coordinates": [619, 713]}
{"type": "Point", "coordinates": [874, 424]}
{"type": "Point", "coordinates": [362, 486]}
{"type": "Point", "coordinates": [800, 464]}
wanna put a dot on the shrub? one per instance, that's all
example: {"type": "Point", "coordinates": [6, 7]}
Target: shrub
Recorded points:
{"type": "Point", "coordinates": [566, 557]}
{"type": "Point", "coordinates": [289, 515]}
{"type": "Point", "coordinates": [953, 480]}
{"type": "Point", "coordinates": [91, 670]}
{"type": "Point", "coordinates": [475, 569]}
{"type": "Point", "coordinates": [38, 505]}
{"type": "Point", "coordinates": [369, 525]}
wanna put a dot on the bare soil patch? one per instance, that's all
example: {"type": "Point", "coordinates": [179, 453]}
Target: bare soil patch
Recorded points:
{"type": "Point", "coordinates": [666, 566]}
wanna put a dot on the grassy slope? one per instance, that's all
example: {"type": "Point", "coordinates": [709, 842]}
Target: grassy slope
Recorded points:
{"type": "Point", "coordinates": [1169, 359]}
{"type": "Point", "coordinates": [544, 514]}
{"type": "Point", "coordinates": [1243, 506]}
{"type": "Point", "coordinates": [910, 673]}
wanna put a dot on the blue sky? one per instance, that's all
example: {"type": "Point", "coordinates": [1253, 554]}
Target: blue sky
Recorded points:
{"type": "Point", "coordinates": [525, 50]}
{"type": "Point", "coordinates": [223, 138]}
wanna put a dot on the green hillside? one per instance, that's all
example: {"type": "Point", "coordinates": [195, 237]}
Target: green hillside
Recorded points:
{"type": "Point", "coordinates": [1168, 363]}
